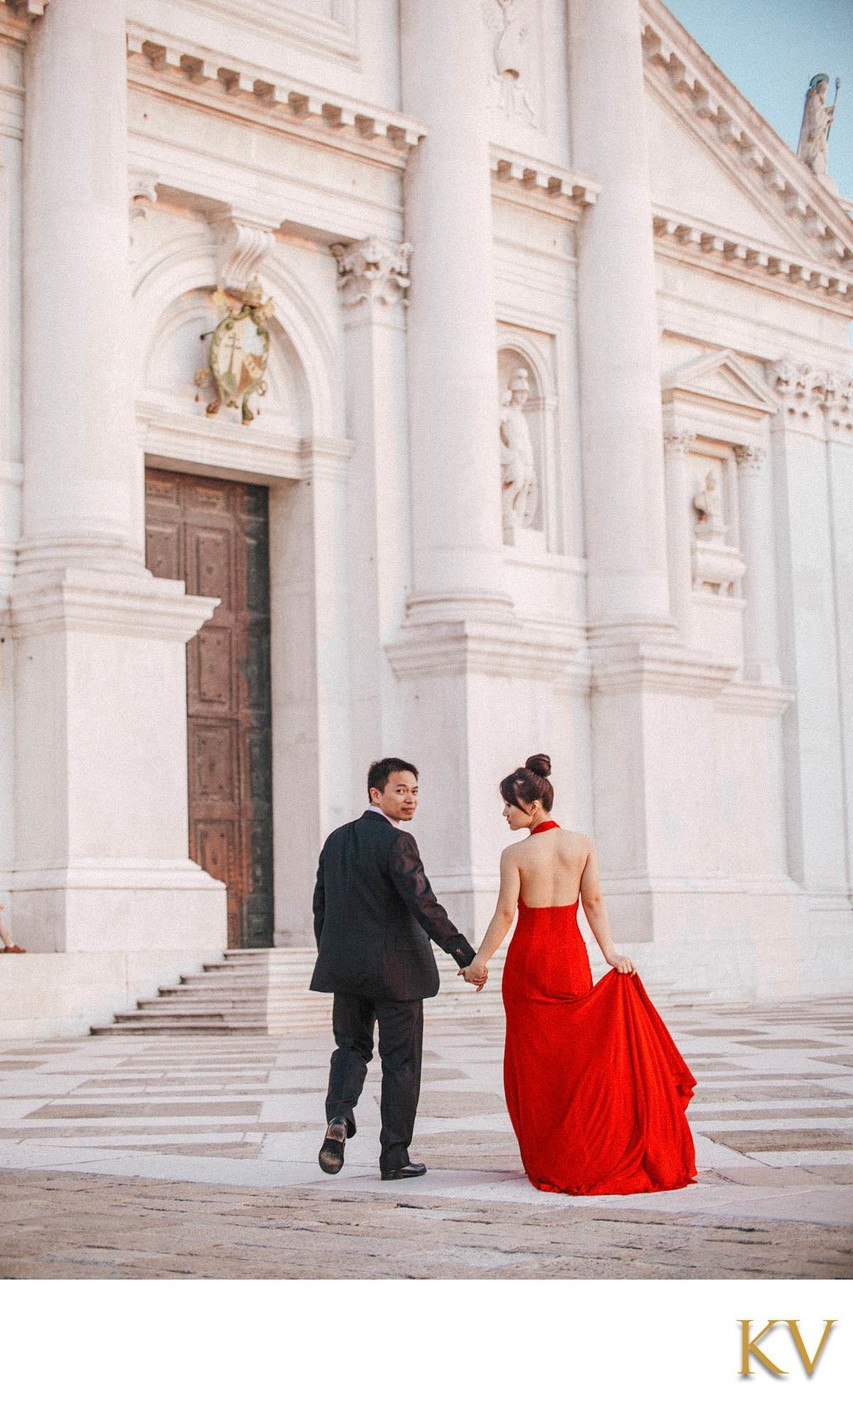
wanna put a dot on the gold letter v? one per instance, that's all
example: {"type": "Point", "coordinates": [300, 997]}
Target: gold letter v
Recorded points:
{"type": "Point", "coordinates": [808, 1365]}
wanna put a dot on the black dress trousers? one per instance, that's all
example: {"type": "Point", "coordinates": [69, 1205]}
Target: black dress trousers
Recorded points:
{"type": "Point", "coordinates": [400, 1050]}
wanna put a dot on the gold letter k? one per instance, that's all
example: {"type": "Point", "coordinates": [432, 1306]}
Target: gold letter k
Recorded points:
{"type": "Point", "coordinates": [750, 1347]}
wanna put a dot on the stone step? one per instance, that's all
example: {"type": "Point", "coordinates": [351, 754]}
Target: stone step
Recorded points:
{"type": "Point", "coordinates": [292, 979]}
{"type": "Point", "coordinates": [200, 1012]}
{"type": "Point", "coordinates": [266, 993]}
{"type": "Point", "coordinates": [240, 977]}
{"type": "Point", "coordinates": [175, 1027]}
{"type": "Point", "coordinates": [234, 968]}
{"type": "Point", "coordinates": [175, 993]}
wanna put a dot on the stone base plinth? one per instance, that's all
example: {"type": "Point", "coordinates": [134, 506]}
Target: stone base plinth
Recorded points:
{"type": "Point", "coordinates": [760, 941]}
{"type": "Point", "coordinates": [176, 907]}
{"type": "Point", "coordinates": [59, 995]}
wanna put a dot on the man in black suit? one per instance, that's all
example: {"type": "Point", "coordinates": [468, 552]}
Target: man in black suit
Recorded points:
{"type": "Point", "coordinates": [374, 915]}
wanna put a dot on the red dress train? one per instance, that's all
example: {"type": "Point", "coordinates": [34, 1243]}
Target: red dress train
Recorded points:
{"type": "Point", "coordinates": [595, 1087]}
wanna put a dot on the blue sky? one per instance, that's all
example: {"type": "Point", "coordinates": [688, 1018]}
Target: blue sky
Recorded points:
{"type": "Point", "coordinates": [770, 49]}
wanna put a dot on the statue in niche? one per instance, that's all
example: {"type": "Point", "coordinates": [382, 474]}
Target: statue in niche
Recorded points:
{"type": "Point", "coordinates": [814, 129]}
{"type": "Point", "coordinates": [518, 463]}
{"type": "Point", "coordinates": [708, 503]}
{"type": "Point", "coordinates": [508, 21]}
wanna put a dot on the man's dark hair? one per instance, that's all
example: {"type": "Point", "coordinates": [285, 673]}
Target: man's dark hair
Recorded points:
{"type": "Point", "coordinates": [379, 772]}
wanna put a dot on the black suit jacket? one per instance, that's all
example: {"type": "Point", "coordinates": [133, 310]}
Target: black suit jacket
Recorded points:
{"type": "Point", "coordinates": [374, 914]}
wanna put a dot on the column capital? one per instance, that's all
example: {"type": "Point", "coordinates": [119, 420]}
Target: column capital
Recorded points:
{"type": "Point", "coordinates": [679, 441]}
{"type": "Point", "coordinates": [808, 393]}
{"type": "Point", "coordinates": [803, 392]}
{"type": "Point", "coordinates": [750, 457]}
{"type": "Point", "coordinates": [375, 271]}
{"type": "Point", "coordinates": [839, 407]}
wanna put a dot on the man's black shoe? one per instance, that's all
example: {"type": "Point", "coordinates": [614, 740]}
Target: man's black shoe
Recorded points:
{"type": "Point", "coordinates": [331, 1156]}
{"type": "Point", "coordinates": [409, 1170]}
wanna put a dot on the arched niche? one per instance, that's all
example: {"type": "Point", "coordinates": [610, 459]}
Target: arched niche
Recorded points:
{"type": "Point", "coordinates": [172, 308]}
{"type": "Point", "coordinates": [179, 351]}
{"type": "Point", "coordinates": [517, 358]}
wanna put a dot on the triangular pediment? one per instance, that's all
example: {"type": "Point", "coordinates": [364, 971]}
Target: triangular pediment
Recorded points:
{"type": "Point", "coordinates": [716, 162]}
{"type": "Point", "coordinates": [721, 379]}
{"type": "Point", "coordinates": [692, 179]}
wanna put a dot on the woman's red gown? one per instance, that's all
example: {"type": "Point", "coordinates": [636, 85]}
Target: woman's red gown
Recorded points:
{"type": "Point", "coordinates": [595, 1087]}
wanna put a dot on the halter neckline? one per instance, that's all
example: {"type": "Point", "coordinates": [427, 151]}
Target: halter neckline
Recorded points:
{"type": "Point", "coordinates": [544, 827]}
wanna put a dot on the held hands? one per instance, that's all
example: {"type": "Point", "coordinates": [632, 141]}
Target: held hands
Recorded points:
{"type": "Point", "coordinates": [475, 974]}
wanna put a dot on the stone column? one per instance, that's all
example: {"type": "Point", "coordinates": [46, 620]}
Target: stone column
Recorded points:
{"type": "Point", "coordinates": [809, 651]}
{"type": "Point", "coordinates": [311, 674]}
{"type": "Point", "coordinates": [78, 502]}
{"type": "Point", "coordinates": [373, 283]}
{"type": "Point", "coordinates": [452, 347]}
{"type": "Point", "coordinates": [622, 434]}
{"type": "Point", "coordinates": [679, 530]}
{"type": "Point", "coordinates": [757, 543]}
{"type": "Point", "coordinates": [839, 449]}
{"type": "Point", "coordinates": [101, 836]}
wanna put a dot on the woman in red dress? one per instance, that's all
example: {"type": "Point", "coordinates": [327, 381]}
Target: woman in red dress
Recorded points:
{"type": "Point", "coordinates": [595, 1087]}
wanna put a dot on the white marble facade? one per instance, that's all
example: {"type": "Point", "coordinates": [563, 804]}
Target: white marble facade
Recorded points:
{"type": "Point", "coordinates": [446, 202]}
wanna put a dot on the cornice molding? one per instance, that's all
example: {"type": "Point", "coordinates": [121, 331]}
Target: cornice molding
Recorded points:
{"type": "Point", "coordinates": [116, 874]}
{"type": "Point", "coordinates": [516, 651]}
{"type": "Point", "coordinates": [542, 186]}
{"type": "Point", "coordinates": [755, 698]}
{"type": "Point", "coordinates": [196, 74]}
{"type": "Point", "coordinates": [81, 599]}
{"type": "Point", "coordinates": [635, 668]}
{"type": "Point", "coordinates": [731, 254]}
{"type": "Point", "coordinates": [713, 108]}
{"type": "Point", "coordinates": [191, 441]}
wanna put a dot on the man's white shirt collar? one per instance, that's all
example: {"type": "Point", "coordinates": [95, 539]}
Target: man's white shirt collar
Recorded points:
{"type": "Point", "coordinates": [372, 808]}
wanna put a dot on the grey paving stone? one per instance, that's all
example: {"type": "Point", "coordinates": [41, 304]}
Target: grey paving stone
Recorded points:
{"type": "Point", "coordinates": [149, 1157]}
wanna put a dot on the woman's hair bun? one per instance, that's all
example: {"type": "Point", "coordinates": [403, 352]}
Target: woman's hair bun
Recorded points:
{"type": "Point", "coordinates": [539, 764]}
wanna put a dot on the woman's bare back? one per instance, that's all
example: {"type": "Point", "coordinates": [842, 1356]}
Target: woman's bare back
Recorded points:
{"type": "Point", "coordinates": [550, 867]}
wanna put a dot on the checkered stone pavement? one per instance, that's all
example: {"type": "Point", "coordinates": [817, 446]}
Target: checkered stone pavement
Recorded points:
{"type": "Point", "coordinates": [218, 1137]}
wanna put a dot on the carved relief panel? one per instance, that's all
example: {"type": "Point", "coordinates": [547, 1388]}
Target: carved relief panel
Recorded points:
{"type": "Point", "coordinates": [525, 80]}
{"type": "Point", "coordinates": [513, 55]}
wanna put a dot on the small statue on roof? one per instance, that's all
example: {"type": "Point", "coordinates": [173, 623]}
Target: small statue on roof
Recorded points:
{"type": "Point", "coordinates": [818, 118]}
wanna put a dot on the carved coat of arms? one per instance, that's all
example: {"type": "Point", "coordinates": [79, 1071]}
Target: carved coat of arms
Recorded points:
{"type": "Point", "coordinates": [239, 350]}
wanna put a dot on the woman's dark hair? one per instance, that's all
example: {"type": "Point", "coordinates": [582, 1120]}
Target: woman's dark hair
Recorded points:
{"type": "Point", "coordinates": [379, 772]}
{"type": "Point", "coordinates": [522, 786]}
